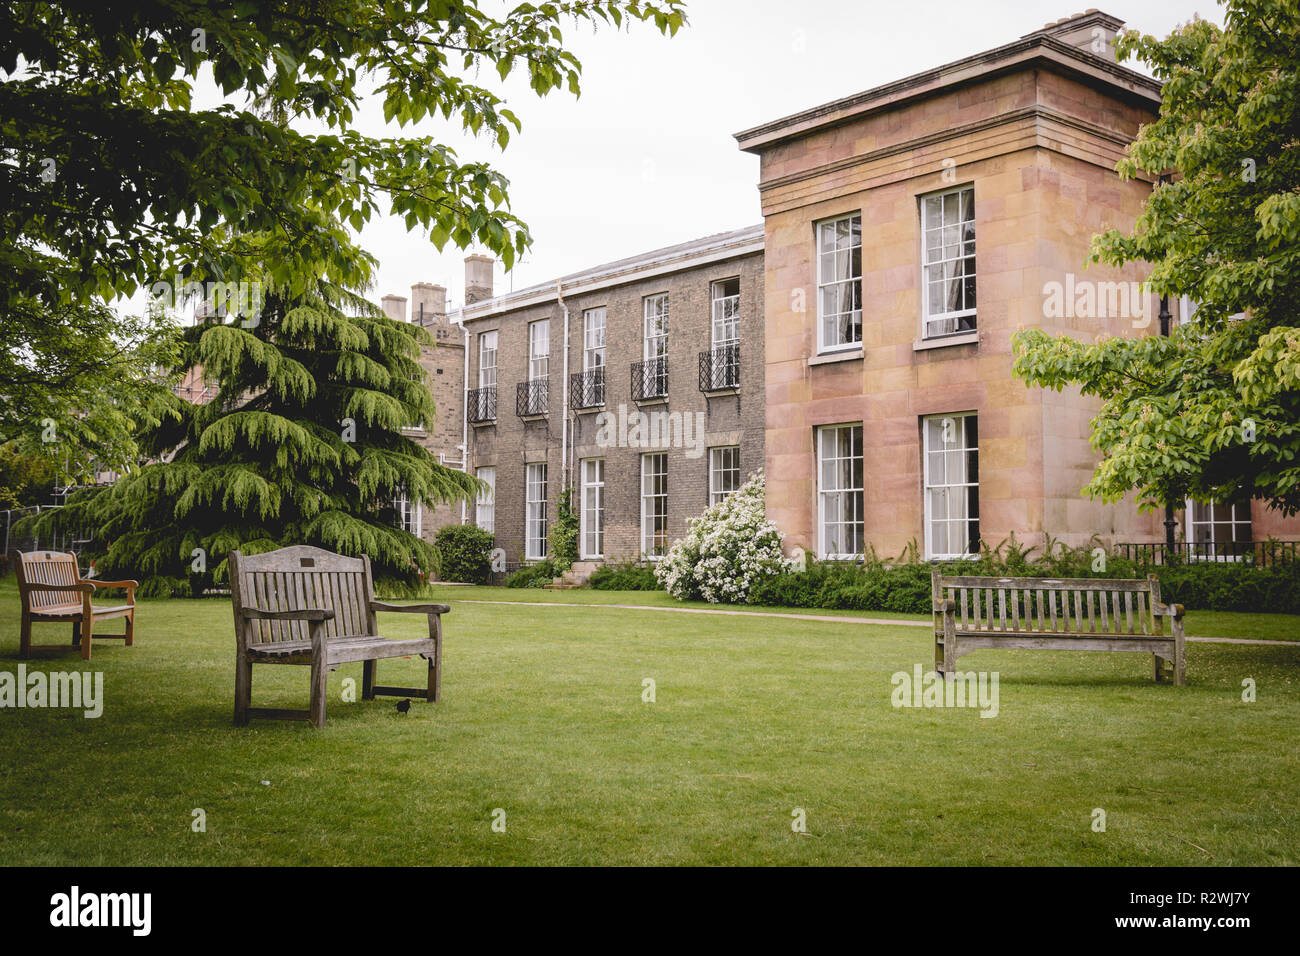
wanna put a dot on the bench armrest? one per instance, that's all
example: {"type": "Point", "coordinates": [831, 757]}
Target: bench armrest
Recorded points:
{"type": "Point", "coordinates": [410, 608]}
{"type": "Point", "coordinates": [129, 585]}
{"type": "Point", "coordinates": [297, 614]}
{"type": "Point", "coordinates": [1167, 610]}
{"type": "Point", "coordinates": [83, 587]}
{"type": "Point", "coordinates": [944, 606]}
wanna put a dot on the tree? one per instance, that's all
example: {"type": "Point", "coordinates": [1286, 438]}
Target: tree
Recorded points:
{"type": "Point", "coordinates": [1213, 410]}
{"type": "Point", "coordinates": [111, 181]}
{"type": "Point", "coordinates": [74, 378]}
{"type": "Point", "coordinates": [303, 443]}
{"type": "Point", "coordinates": [25, 479]}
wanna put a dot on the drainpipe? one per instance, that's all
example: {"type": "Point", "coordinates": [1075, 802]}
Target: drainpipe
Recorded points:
{"type": "Point", "coordinates": [564, 412]}
{"type": "Point", "coordinates": [464, 425]}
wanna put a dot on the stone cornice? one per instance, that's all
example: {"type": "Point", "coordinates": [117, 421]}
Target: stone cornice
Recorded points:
{"type": "Point", "coordinates": [1036, 114]}
{"type": "Point", "coordinates": [1036, 51]}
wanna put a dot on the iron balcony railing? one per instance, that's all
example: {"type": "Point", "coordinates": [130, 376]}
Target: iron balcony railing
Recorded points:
{"type": "Point", "coordinates": [1258, 553]}
{"type": "Point", "coordinates": [483, 404]}
{"type": "Point", "coordinates": [649, 379]}
{"type": "Point", "coordinates": [531, 398]}
{"type": "Point", "coordinates": [587, 389]}
{"type": "Point", "coordinates": [720, 368]}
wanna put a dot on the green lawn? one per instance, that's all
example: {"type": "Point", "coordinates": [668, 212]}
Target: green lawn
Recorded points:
{"type": "Point", "coordinates": [543, 717]}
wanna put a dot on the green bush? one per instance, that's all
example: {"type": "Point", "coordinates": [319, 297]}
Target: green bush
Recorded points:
{"type": "Point", "coordinates": [628, 576]}
{"type": "Point", "coordinates": [464, 554]}
{"type": "Point", "coordinates": [532, 575]}
{"type": "Point", "coordinates": [564, 533]}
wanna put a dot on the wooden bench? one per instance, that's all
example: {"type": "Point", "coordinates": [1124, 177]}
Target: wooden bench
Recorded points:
{"type": "Point", "coordinates": [52, 590]}
{"type": "Point", "coordinates": [302, 605]}
{"type": "Point", "coordinates": [1071, 614]}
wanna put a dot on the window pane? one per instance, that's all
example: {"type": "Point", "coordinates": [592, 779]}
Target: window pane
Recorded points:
{"type": "Point", "coordinates": [951, 485]}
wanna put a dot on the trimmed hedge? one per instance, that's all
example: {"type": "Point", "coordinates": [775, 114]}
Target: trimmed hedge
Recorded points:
{"type": "Point", "coordinates": [905, 587]}
{"type": "Point", "coordinates": [464, 554]}
{"type": "Point", "coordinates": [624, 577]}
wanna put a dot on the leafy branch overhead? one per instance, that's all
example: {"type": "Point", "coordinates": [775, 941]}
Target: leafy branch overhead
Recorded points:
{"type": "Point", "coordinates": [1213, 411]}
{"type": "Point", "coordinates": [105, 160]}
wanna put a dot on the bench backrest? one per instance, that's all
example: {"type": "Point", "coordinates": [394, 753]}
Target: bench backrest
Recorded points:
{"type": "Point", "coordinates": [1052, 605]}
{"type": "Point", "coordinates": [46, 567]}
{"type": "Point", "coordinates": [301, 577]}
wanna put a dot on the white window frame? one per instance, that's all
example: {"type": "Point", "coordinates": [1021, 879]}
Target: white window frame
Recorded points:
{"type": "Point", "coordinates": [941, 324]}
{"type": "Point", "coordinates": [654, 505]}
{"type": "Point", "coordinates": [487, 349]}
{"type": "Point", "coordinates": [409, 516]}
{"type": "Point", "coordinates": [827, 255]}
{"type": "Point", "coordinates": [539, 350]}
{"type": "Point", "coordinates": [724, 463]}
{"type": "Point", "coordinates": [485, 506]}
{"type": "Point", "coordinates": [1234, 522]}
{"type": "Point", "coordinates": [593, 339]}
{"type": "Point", "coordinates": [655, 328]}
{"type": "Point", "coordinates": [726, 313]}
{"type": "Point", "coordinates": [930, 483]}
{"type": "Point", "coordinates": [536, 525]}
{"type": "Point", "coordinates": [591, 520]}
{"type": "Point", "coordinates": [827, 495]}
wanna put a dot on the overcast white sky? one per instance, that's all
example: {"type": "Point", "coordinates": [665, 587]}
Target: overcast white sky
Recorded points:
{"type": "Point", "coordinates": [645, 157]}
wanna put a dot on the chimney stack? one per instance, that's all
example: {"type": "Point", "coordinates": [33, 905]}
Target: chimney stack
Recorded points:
{"type": "Point", "coordinates": [394, 307]}
{"type": "Point", "coordinates": [428, 303]}
{"type": "Point", "coordinates": [1091, 30]}
{"type": "Point", "coordinates": [478, 278]}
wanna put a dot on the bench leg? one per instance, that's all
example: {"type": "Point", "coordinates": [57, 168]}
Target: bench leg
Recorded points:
{"type": "Point", "coordinates": [243, 689]}
{"type": "Point", "coordinates": [25, 637]}
{"type": "Point", "coordinates": [368, 680]}
{"type": "Point", "coordinates": [130, 629]}
{"type": "Point", "coordinates": [76, 633]}
{"type": "Point", "coordinates": [435, 662]}
{"type": "Point", "coordinates": [87, 628]}
{"type": "Point", "coordinates": [320, 673]}
{"type": "Point", "coordinates": [1158, 663]}
{"type": "Point", "coordinates": [1180, 665]}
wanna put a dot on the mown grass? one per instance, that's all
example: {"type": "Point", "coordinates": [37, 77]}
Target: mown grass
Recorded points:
{"type": "Point", "coordinates": [543, 717]}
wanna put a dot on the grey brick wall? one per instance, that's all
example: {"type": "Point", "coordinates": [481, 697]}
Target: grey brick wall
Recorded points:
{"type": "Point", "coordinates": [731, 419]}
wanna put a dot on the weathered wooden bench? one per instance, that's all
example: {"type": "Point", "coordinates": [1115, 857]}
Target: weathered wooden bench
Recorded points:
{"type": "Point", "coordinates": [1072, 614]}
{"type": "Point", "coordinates": [52, 590]}
{"type": "Point", "coordinates": [302, 605]}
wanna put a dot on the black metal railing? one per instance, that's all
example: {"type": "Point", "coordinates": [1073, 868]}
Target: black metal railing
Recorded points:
{"type": "Point", "coordinates": [531, 398]}
{"type": "Point", "coordinates": [483, 404]}
{"type": "Point", "coordinates": [1258, 553]}
{"type": "Point", "coordinates": [720, 368]}
{"type": "Point", "coordinates": [587, 389]}
{"type": "Point", "coordinates": [649, 379]}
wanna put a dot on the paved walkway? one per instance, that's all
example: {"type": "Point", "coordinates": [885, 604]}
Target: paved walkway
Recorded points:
{"type": "Point", "coordinates": [888, 622]}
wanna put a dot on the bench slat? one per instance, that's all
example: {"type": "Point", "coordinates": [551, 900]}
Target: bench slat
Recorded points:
{"type": "Point", "coordinates": [1076, 584]}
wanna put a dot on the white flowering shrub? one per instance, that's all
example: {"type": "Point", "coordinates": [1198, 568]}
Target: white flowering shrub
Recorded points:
{"type": "Point", "coordinates": [728, 549]}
